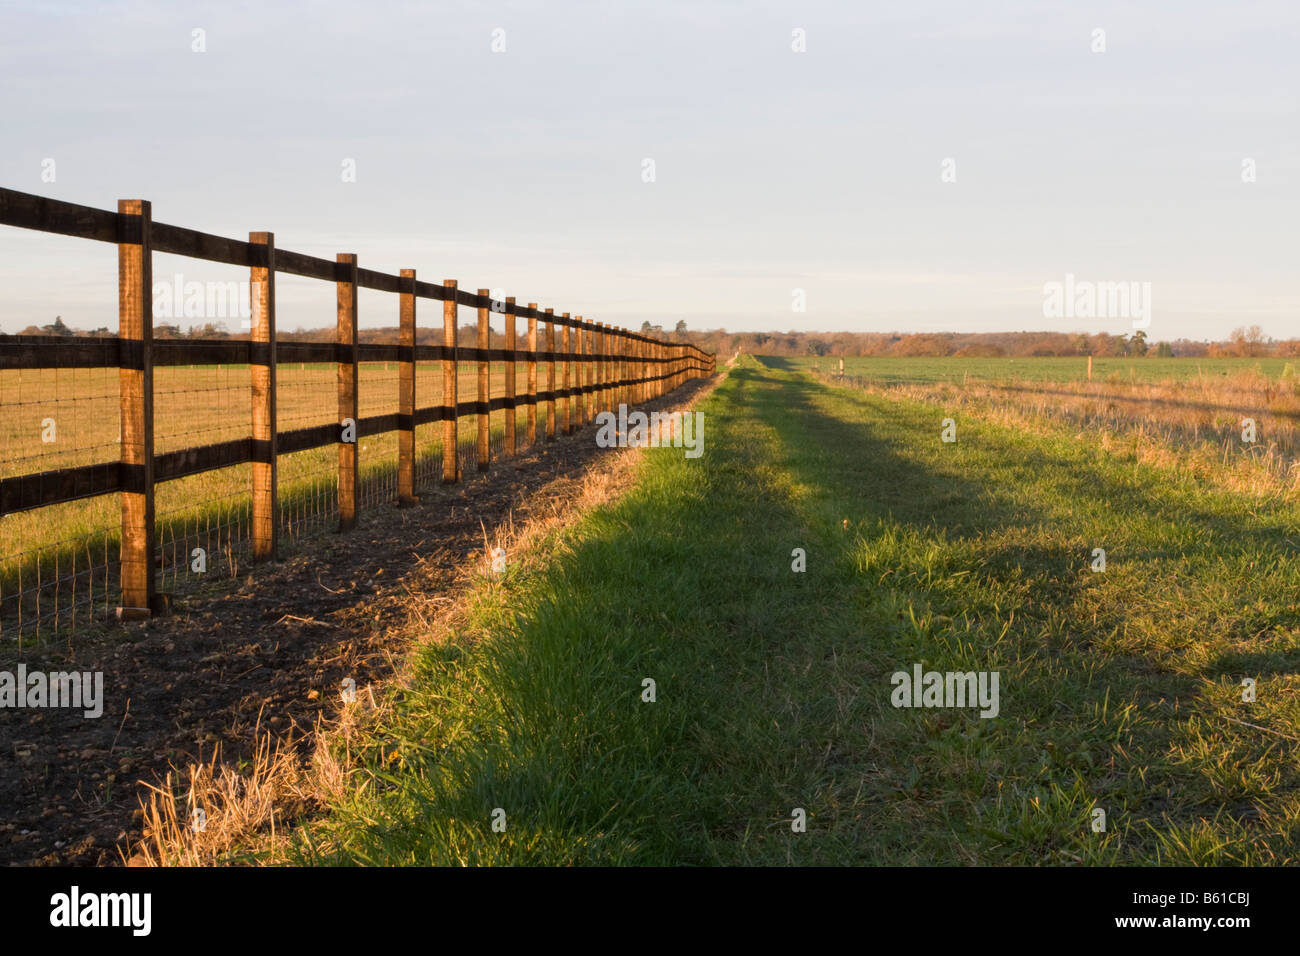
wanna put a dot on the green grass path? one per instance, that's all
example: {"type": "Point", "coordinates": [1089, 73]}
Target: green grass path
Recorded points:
{"type": "Point", "coordinates": [1118, 690]}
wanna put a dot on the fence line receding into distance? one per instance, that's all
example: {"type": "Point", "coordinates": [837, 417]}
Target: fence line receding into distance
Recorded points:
{"type": "Point", "coordinates": [600, 367]}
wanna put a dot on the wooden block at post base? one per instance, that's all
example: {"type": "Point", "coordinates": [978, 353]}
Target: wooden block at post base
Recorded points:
{"type": "Point", "coordinates": [161, 604]}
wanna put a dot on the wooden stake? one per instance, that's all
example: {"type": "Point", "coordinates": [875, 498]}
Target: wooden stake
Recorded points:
{"type": "Point", "coordinates": [550, 376]}
{"type": "Point", "coordinates": [599, 396]}
{"type": "Point", "coordinates": [565, 364]}
{"type": "Point", "coordinates": [266, 502]}
{"type": "Point", "coordinates": [532, 374]}
{"type": "Point", "coordinates": [406, 390]}
{"type": "Point", "coordinates": [135, 384]}
{"type": "Point", "coordinates": [484, 393]}
{"type": "Point", "coordinates": [450, 397]}
{"type": "Point", "coordinates": [512, 416]}
{"type": "Point", "coordinates": [580, 373]}
{"type": "Point", "coordinates": [349, 467]}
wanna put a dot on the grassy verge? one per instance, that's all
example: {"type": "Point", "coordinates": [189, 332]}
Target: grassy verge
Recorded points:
{"type": "Point", "coordinates": [1120, 690]}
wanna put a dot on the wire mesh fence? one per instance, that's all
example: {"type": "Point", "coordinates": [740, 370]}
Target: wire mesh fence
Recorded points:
{"type": "Point", "coordinates": [57, 564]}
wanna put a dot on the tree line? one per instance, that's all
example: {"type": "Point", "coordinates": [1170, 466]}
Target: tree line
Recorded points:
{"type": "Point", "coordinates": [1247, 341]}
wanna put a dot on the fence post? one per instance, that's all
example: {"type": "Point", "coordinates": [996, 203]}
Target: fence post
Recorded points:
{"type": "Point", "coordinates": [266, 500]}
{"type": "Point", "coordinates": [589, 376]}
{"type": "Point", "coordinates": [593, 371]}
{"type": "Point", "coordinates": [135, 387]}
{"type": "Point", "coordinates": [621, 343]}
{"type": "Point", "coordinates": [658, 352]}
{"type": "Point", "coordinates": [565, 400]}
{"type": "Point", "coordinates": [629, 349]}
{"type": "Point", "coordinates": [642, 353]}
{"type": "Point", "coordinates": [484, 392]}
{"type": "Point", "coordinates": [512, 416]}
{"type": "Point", "coordinates": [349, 467]}
{"type": "Point", "coordinates": [638, 364]}
{"type": "Point", "coordinates": [598, 396]}
{"type": "Point", "coordinates": [550, 376]}
{"type": "Point", "coordinates": [532, 373]}
{"type": "Point", "coordinates": [654, 367]}
{"type": "Point", "coordinates": [580, 372]}
{"type": "Point", "coordinates": [406, 390]}
{"type": "Point", "coordinates": [620, 364]}
{"type": "Point", "coordinates": [450, 453]}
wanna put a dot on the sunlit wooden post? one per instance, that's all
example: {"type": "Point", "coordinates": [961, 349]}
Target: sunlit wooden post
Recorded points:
{"type": "Point", "coordinates": [550, 376]}
{"type": "Point", "coordinates": [265, 528]}
{"type": "Point", "coordinates": [658, 368]}
{"type": "Point", "coordinates": [641, 372]}
{"type": "Point", "coordinates": [135, 384]}
{"type": "Point", "coordinates": [638, 369]}
{"type": "Point", "coordinates": [598, 395]}
{"type": "Point", "coordinates": [565, 427]}
{"type": "Point", "coordinates": [616, 361]}
{"type": "Point", "coordinates": [624, 367]}
{"type": "Point", "coordinates": [349, 467]}
{"type": "Point", "coordinates": [406, 390]}
{"type": "Point", "coordinates": [484, 389]}
{"type": "Point", "coordinates": [580, 372]}
{"type": "Point", "coordinates": [589, 373]}
{"type": "Point", "coordinates": [532, 373]}
{"type": "Point", "coordinates": [450, 454]}
{"type": "Point", "coordinates": [593, 371]}
{"type": "Point", "coordinates": [512, 416]}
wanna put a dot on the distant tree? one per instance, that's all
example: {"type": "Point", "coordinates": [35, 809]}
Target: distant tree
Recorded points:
{"type": "Point", "coordinates": [1137, 345]}
{"type": "Point", "coordinates": [56, 327]}
{"type": "Point", "coordinates": [209, 330]}
{"type": "Point", "coordinates": [1249, 341]}
{"type": "Point", "coordinates": [680, 330]}
{"type": "Point", "coordinates": [1164, 350]}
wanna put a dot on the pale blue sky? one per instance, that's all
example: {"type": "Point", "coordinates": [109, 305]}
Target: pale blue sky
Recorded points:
{"type": "Point", "coordinates": [775, 170]}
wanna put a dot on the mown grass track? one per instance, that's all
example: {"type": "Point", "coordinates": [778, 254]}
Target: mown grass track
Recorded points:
{"type": "Point", "coordinates": [1119, 690]}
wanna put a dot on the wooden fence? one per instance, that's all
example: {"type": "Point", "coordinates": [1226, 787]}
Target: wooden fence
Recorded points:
{"type": "Point", "coordinates": [601, 367]}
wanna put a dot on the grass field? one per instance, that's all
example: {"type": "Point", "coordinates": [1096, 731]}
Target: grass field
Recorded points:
{"type": "Point", "coordinates": [1047, 369]}
{"type": "Point", "coordinates": [75, 543]}
{"type": "Point", "coordinates": [1196, 411]}
{"type": "Point", "coordinates": [1120, 690]}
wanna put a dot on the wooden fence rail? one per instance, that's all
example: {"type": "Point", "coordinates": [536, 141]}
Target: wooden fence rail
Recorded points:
{"type": "Point", "coordinates": [600, 367]}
